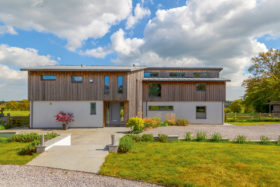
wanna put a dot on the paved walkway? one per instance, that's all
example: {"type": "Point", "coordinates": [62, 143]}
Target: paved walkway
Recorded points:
{"type": "Point", "coordinates": [252, 132]}
{"type": "Point", "coordinates": [87, 152]}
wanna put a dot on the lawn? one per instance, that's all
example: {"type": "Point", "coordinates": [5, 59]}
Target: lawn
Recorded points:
{"type": "Point", "coordinates": [17, 113]}
{"type": "Point", "coordinates": [8, 153]}
{"type": "Point", "coordinates": [198, 163]}
{"type": "Point", "coordinates": [254, 123]}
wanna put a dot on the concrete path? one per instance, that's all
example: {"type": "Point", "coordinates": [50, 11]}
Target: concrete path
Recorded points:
{"type": "Point", "coordinates": [87, 152]}
{"type": "Point", "coordinates": [252, 132]}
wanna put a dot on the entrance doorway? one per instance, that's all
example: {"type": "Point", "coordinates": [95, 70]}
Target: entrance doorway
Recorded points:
{"type": "Point", "coordinates": [114, 113]}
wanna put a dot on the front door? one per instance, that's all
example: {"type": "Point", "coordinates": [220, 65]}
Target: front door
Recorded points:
{"type": "Point", "coordinates": [115, 117]}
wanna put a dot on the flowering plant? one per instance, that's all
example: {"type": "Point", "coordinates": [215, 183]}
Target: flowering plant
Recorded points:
{"type": "Point", "coordinates": [64, 118]}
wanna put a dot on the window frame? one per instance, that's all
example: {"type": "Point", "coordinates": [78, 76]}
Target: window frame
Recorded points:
{"type": "Point", "coordinates": [149, 92]}
{"type": "Point", "coordinates": [196, 87]}
{"type": "Point", "coordinates": [107, 90]}
{"type": "Point", "coordinates": [161, 108]}
{"type": "Point", "coordinates": [151, 72]}
{"type": "Point", "coordinates": [177, 73]}
{"type": "Point", "coordinates": [91, 112]}
{"type": "Point", "coordinates": [197, 112]}
{"type": "Point", "coordinates": [74, 81]}
{"type": "Point", "coordinates": [44, 79]}
{"type": "Point", "coordinates": [120, 87]}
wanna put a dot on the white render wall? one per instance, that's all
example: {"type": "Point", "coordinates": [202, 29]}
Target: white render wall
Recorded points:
{"type": "Point", "coordinates": [44, 112]}
{"type": "Point", "coordinates": [187, 110]}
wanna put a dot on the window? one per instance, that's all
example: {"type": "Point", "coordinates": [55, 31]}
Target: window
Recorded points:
{"type": "Point", "coordinates": [154, 90]}
{"type": "Point", "coordinates": [106, 84]}
{"type": "Point", "coordinates": [151, 74]}
{"type": "Point", "coordinates": [163, 108]}
{"type": "Point", "coordinates": [120, 84]}
{"type": "Point", "coordinates": [201, 112]}
{"type": "Point", "coordinates": [200, 87]}
{"type": "Point", "coordinates": [92, 108]}
{"type": "Point", "coordinates": [176, 74]}
{"type": "Point", "coordinates": [200, 74]}
{"type": "Point", "coordinates": [77, 79]}
{"type": "Point", "coordinates": [48, 77]}
{"type": "Point", "coordinates": [122, 111]}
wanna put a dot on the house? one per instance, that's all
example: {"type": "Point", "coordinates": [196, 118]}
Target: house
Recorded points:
{"type": "Point", "coordinates": [101, 96]}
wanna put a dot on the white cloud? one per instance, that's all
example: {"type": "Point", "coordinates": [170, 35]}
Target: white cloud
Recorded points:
{"type": "Point", "coordinates": [74, 20]}
{"type": "Point", "coordinates": [98, 52]}
{"type": "Point", "coordinates": [7, 29]}
{"type": "Point", "coordinates": [207, 33]}
{"type": "Point", "coordinates": [14, 82]}
{"type": "Point", "coordinates": [139, 13]}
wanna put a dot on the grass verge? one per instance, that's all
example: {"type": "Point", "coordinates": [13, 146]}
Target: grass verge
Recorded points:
{"type": "Point", "coordinates": [197, 163]}
{"type": "Point", "coordinates": [9, 153]}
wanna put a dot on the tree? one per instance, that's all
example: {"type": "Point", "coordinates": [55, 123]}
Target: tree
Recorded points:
{"type": "Point", "coordinates": [263, 85]}
{"type": "Point", "coordinates": [236, 106]}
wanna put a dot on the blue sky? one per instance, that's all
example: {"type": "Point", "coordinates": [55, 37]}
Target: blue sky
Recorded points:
{"type": "Point", "coordinates": [146, 32]}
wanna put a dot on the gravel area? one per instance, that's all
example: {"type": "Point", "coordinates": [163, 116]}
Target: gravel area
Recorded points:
{"type": "Point", "coordinates": [14, 175]}
{"type": "Point", "coordinates": [252, 132]}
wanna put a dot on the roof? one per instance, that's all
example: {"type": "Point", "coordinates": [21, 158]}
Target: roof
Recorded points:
{"type": "Point", "coordinates": [187, 79]}
{"type": "Point", "coordinates": [108, 68]}
{"type": "Point", "coordinates": [83, 68]}
{"type": "Point", "coordinates": [274, 102]}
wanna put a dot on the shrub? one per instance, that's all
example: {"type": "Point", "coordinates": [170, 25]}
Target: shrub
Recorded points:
{"type": "Point", "coordinates": [29, 149]}
{"type": "Point", "coordinates": [136, 137]}
{"type": "Point", "coordinates": [201, 136]}
{"type": "Point", "coordinates": [182, 122]}
{"type": "Point", "coordinates": [147, 138]}
{"type": "Point", "coordinates": [136, 124]}
{"type": "Point", "coordinates": [170, 122]}
{"type": "Point", "coordinates": [125, 144]}
{"type": "Point", "coordinates": [163, 124]}
{"type": "Point", "coordinates": [50, 135]}
{"type": "Point", "coordinates": [24, 138]}
{"type": "Point", "coordinates": [216, 137]}
{"type": "Point", "coordinates": [240, 139]}
{"type": "Point", "coordinates": [162, 138]}
{"type": "Point", "coordinates": [148, 122]}
{"type": "Point", "coordinates": [157, 122]}
{"type": "Point", "coordinates": [188, 136]}
{"type": "Point", "coordinates": [2, 127]}
{"type": "Point", "coordinates": [264, 140]}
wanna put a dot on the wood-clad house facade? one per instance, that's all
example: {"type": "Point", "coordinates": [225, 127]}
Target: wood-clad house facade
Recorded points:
{"type": "Point", "coordinates": [101, 96]}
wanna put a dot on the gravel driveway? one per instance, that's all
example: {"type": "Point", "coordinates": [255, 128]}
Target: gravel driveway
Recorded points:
{"type": "Point", "coordinates": [11, 175]}
{"type": "Point", "coordinates": [252, 132]}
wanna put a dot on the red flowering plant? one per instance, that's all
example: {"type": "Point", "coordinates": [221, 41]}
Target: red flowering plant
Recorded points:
{"type": "Point", "coordinates": [64, 118]}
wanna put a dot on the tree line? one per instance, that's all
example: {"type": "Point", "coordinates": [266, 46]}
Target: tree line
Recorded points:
{"type": "Point", "coordinates": [23, 105]}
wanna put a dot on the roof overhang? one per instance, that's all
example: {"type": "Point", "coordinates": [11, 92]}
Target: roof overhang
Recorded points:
{"type": "Point", "coordinates": [187, 79]}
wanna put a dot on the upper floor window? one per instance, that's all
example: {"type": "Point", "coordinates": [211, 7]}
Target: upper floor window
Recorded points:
{"type": "Point", "coordinates": [48, 77]}
{"type": "Point", "coordinates": [176, 74]}
{"type": "Point", "coordinates": [200, 87]}
{"type": "Point", "coordinates": [151, 74]}
{"type": "Point", "coordinates": [200, 74]}
{"type": "Point", "coordinates": [106, 84]}
{"type": "Point", "coordinates": [120, 84]}
{"type": "Point", "coordinates": [154, 90]}
{"type": "Point", "coordinates": [77, 79]}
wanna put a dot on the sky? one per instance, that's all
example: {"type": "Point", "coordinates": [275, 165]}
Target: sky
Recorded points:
{"type": "Point", "coordinates": [193, 33]}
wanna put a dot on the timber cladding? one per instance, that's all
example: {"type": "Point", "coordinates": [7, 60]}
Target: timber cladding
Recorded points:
{"type": "Point", "coordinates": [186, 91]}
{"type": "Point", "coordinates": [63, 89]}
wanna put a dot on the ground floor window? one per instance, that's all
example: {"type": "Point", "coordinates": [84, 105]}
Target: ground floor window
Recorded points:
{"type": "Point", "coordinates": [92, 108]}
{"type": "Point", "coordinates": [201, 112]}
{"type": "Point", "coordinates": [122, 111]}
{"type": "Point", "coordinates": [162, 108]}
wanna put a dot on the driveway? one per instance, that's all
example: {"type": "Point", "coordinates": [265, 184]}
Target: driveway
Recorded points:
{"type": "Point", "coordinates": [86, 153]}
{"type": "Point", "coordinates": [252, 132]}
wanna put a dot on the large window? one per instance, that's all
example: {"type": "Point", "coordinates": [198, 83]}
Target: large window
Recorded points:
{"type": "Point", "coordinates": [151, 74]}
{"type": "Point", "coordinates": [201, 112]}
{"type": "Point", "coordinates": [154, 90]}
{"type": "Point", "coordinates": [48, 77]}
{"type": "Point", "coordinates": [200, 87]}
{"type": "Point", "coordinates": [120, 84]}
{"type": "Point", "coordinates": [92, 108]}
{"type": "Point", "coordinates": [106, 84]}
{"type": "Point", "coordinates": [163, 108]}
{"type": "Point", "coordinates": [200, 74]}
{"type": "Point", "coordinates": [177, 74]}
{"type": "Point", "coordinates": [78, 79]}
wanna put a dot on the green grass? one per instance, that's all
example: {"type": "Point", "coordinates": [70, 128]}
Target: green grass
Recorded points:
{"type": "Point", "coordinates": [254, 123]}
{"type": "Point", "coordinates": [198, 163]}
{"type": "Point", "coordinates": [17, 113]}
{"type": "Point", "coordinates": [9, 153]}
